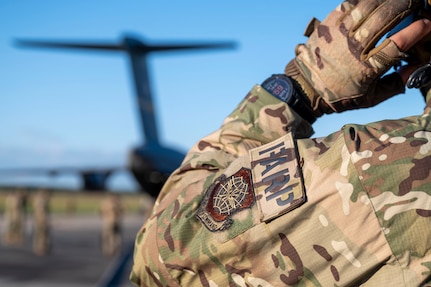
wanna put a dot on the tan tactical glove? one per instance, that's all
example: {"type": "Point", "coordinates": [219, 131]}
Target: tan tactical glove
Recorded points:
{"type": "Point", "coordinates": [340, 67]}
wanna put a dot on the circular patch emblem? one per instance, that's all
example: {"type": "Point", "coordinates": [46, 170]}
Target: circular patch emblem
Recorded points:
{"type": "Point", "coordinates": [225, 197]}
{"type": "Point", "coordinates": [230, 195]}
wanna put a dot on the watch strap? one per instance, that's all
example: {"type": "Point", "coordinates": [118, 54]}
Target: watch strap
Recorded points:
{"type": "Point", "coordinates": [287, 90]}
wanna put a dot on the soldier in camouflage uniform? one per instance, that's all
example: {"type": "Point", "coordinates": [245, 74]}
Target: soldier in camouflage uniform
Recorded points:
{"type": "Point", "coordinates": [112, 211]}
{"type": "Point", "coordinates": [259, 203]}
{"type": "Point", "coordinates": [41, 232]}
{"type": "Point", "coordinates": [15, 208]}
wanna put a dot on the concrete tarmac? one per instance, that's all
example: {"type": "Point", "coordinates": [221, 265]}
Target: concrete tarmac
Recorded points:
{"type": "Point", "coordinates": [75, 258]}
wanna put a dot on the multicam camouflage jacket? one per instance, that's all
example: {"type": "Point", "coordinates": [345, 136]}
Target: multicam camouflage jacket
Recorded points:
{"type": "Point", "coordinates": [258, 203]}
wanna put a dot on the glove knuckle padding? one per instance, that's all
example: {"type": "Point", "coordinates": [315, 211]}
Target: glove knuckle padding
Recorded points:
{"type": "Point", "coordinates": [341, 61]}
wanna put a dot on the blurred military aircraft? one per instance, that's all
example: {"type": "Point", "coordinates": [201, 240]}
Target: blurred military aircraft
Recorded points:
{"type": "Point", "coordinates": [152, 162]}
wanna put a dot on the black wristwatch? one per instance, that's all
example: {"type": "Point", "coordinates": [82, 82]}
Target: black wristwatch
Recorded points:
{"type": "Point", "coordinates": [287, 90]}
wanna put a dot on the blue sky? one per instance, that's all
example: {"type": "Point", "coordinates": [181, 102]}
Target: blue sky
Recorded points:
{"type": "Point", "coordinates": [59, 108]}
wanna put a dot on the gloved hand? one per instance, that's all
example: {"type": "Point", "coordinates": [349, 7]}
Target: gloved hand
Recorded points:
{"type": "Point", "coordinates": [340, 67]}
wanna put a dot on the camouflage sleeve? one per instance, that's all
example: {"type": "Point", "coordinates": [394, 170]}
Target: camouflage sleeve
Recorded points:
{"type": "Point", "coordinates": [258, 119]}
{"type": "Point", "coordinates": [358, 206]}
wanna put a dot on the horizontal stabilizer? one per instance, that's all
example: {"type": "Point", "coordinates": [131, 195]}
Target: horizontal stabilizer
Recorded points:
{"type": "Point", "coordinates": [128, 43]}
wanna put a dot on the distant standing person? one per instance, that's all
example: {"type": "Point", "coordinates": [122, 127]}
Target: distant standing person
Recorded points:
{"type": "Point", "coordinates": [41, 233]}
{"type": "Point", "coordinates": [15, 217]}
{"type": "Point", "coordinates": [112, 211]}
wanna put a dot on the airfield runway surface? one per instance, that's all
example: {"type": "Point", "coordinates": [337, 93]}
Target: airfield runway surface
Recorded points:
{"type": "Point", "coordinates": [75, 258]}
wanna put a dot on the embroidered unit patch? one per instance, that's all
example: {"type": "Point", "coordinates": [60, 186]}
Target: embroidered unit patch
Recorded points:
{"type": "Point", "coordinates": [225, 197]}
{"type": "Point", "coordinates": [277, 177]}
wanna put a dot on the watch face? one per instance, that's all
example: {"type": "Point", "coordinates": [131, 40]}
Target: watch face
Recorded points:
{"type": "Point", "coordinates": [280, 87]}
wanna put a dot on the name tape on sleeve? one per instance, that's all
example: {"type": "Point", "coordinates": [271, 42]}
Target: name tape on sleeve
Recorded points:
{"type": "Point", "coordinates": [277, 178]}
